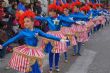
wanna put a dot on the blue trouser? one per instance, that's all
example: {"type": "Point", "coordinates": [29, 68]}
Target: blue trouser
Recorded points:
{"type": "Point", "coordinates": [51, 58]}
{"type": "Point", "coordinates": [35, 68]}
{"type": "Point", "coordinates": [75, 49]}
{"type": "Point", "coordinates": [98, 27]}
{"type": "Point", "coordinates": [95, 28]}
{"type": "Point", "coordinates": [65, 55]}
{"type": "Point", "coordinates": [90, 32]}
{"type": "Point", "coordinates": [79, 46]}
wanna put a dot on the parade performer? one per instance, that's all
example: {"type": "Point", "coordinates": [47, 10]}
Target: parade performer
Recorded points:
{"type": "Point", "coordinates": [79, 28]}
{"type": "Point", "coordinates": [94, 13]}
{"type": "Point", "coordinates": [102, 14]}
{"type": "Point", "coordinates": [25, 57]}
{"type": "Point", "coordinates": [89, 24]}
{"type": "Point", "coordinates": [54, 23]}
{"type": "Point", "coordinates": [66, 27]}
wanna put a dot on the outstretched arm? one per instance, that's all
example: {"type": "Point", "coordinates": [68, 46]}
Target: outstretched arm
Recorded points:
{"type": "Point", "coordinates": [66, 19]}
{"type": "Point", "coordinates": [41, 33]}
{"type": "Point", "coordinates": [17, 37]}
{"type": "Point", "coordinates": [40, 18]}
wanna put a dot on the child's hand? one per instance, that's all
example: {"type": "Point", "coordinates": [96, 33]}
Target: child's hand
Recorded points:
{"type": "Point", "coordinates": [63, 40]}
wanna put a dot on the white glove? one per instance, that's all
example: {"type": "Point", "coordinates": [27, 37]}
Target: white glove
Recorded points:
{"type": "Point", "coordinates": [1, 47]}
{"type": "Point", "coordinates": [78, 22]}
{"type": "Point", "coordinates": [83, 22]}
{"type": "Point", "coordinates": [36, 34]}
{"type": "Point", "coordinates": [62, 40]}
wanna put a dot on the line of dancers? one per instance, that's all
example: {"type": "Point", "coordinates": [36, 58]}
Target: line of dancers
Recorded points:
{"type": "Point", "coordinates": [69, 25]}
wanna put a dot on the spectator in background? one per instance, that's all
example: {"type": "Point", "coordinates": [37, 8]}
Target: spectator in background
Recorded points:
{"type": "Point", "coordinates": [38, 8]}
{"type": "Point", "coordinates": [37, 24]}
{"type": "Point", "coordinates": [14, 8]}
{"type": "Point", "coordinates": [3, 38]}
{"type": "Point", "coordinates": [9, 8]}
{"type": "Point", "coordinates": [2, 14]}
{"type": "Point", "coordinates": [21, 6]}
{"type": "Point", "coordinates": [15, 26]}
{"type": "Point", "coordinates": [30, 7]}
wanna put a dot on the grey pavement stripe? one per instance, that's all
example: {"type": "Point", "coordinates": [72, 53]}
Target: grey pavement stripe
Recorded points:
{"type": "Point", "coordinates": [82, 63]}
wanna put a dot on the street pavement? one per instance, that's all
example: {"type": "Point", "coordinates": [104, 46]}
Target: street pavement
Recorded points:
{"type": "Point", "coordinates": [95, 57]}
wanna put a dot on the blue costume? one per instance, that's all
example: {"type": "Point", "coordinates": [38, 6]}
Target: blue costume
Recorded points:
{"type": "Point", "coordinates": [67, 24]}
{"type": "Point", "coordinates": [94, 13]}
{"type": "Point", "coordinates": [30, 39]}
{"type": "Point", "coordinates": [54, 24]}
{"type": "Point", "coordinates": [79, 16]}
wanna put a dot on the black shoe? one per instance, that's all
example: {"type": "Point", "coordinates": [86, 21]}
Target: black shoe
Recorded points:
{"type": "Point", "coordinates": [78, 54]}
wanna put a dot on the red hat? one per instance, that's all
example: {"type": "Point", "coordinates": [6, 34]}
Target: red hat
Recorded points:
{"type": "Point", "coordinates": [59, 8]}
{"type": "Point", "coordinates": [72, 5]}
{"type": "Point", "coordinates": [97, 5]}
{"type": "Point", "coordinates": [82, 8]}
{"type": "Point", "coordinates": [85, 8]}
{"type": "Point", "coordinates": [66, 6]}
{"type": "Point", "coordinates": [28, 14]}
{"type": "Point", "coordinates": [90, 4]}
{"type": "Point", "coordinates": [52, 6]}
{"type": "Point", "coordinates": [55, 7]}
{"type": "Point", "coordinates": [94, 6]}
{"type": "Point", "coordinates": [78, 3]}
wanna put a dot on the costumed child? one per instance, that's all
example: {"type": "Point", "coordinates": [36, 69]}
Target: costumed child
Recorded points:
{"type": "Point", "coordinates": [54, 24]}
{"type": "Point", "coordinates": [94, 14]}
{"type": "Point", "coordinates": [25, 57]}
{"type": "Point", "coordinates": [79, 29]}
{"type": "Point", "coordinates": [102, 15]}
{"type": "Point", "coordinates": [66, 28]}
{"type": "Point", "coordinates": [89, 23]}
